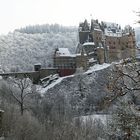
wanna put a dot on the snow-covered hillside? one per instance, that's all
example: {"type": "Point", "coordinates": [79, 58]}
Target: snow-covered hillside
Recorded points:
{"type": "Point", "coordinates": [81, 90]}
{"type": "Point", "coordinates": [20, 51]}
{"type": "Point", "coordinates": [92, 70]}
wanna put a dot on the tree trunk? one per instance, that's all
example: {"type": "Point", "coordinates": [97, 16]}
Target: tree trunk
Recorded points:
{"type": "Point", "coordinates": [21, 109]}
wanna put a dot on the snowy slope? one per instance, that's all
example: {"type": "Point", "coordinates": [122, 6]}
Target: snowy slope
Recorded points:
{"type": "Point", "coordinates": [83, 92]}
{"type": "Point", "coordinates": [97, 67]}
{"type": "Point", "coordinates": [91, 70]}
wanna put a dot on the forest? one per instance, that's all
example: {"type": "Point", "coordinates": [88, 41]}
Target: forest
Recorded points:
{"type": "Point", "coordinates": [24, 47]}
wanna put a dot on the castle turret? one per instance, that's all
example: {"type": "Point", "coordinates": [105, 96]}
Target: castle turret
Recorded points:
{"type": "Point", "coordinates": [100, 54]}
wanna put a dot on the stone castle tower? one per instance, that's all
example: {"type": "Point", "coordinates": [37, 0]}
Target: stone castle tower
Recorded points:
{"type": "Point", "coordinates": [117, 43]}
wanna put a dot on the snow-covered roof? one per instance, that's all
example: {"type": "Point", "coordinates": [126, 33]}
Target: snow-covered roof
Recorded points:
{"type": "Point", "coordinates": [88, 43]}
{"type": "Point", "coordinates": [126, 34]}
{"type": "Point", "coordinates": [95, 29]}
{"type": "Point", "coordinates": [91, 60]}
{"type": "Point", "coordinates": [110, 33]}
{"type": "Point", "coordinates": [37, 64]}
{"type": "Point", "coordinates": [111, 24]}
{"type": "Point", "coordinates": [64, 52]}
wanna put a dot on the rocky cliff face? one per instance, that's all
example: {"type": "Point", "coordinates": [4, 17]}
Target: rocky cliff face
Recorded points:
{"type": "Point", "coordinates": [81, 93]}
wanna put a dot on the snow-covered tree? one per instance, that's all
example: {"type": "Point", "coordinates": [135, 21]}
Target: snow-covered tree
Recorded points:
{"type": "Point", "coordinates": [124, 90]}
{"type": "Point", "coordinates": [20, 90]}
{"type": "Point", "coordinates": [20, 50]}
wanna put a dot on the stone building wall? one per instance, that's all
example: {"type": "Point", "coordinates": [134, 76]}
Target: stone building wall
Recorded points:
{"type": "Point", "coordinates": [128, 41]}
{"type": "Point", "coordinates": [97, 36]}
{"type": "Point", "coordinates": [113, 42]}
{"type": "Point", "coordinates": [64, 62]}
{"type": "Point", "coordinates": [83, 36]}
{"type": "Point", "coordinates": [82, 61]}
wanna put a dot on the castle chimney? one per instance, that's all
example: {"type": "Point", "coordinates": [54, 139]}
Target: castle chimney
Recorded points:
{"type": "Point", "coordinates": [37, 67]}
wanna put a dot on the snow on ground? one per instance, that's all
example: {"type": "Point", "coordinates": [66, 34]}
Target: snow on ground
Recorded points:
{"type": "Point", "coordinates": [97, 67]}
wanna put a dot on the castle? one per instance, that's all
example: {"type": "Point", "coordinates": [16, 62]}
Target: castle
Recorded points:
{"type": "Point", "coordinates": [118, 43]}
{"type": "Point", "coordinates": [98, 43]}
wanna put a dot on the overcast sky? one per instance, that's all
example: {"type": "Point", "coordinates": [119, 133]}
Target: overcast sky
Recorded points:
{"type": "Point", "coordinates": [19, 13]}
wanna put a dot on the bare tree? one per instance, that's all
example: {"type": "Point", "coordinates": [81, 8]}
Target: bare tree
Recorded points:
{"type": "Point", "coordinates": [125, 78]}
{"type": "Point", "coordinates": [20, 90]}
{"type": "Point", "coordinates": [124, 87]}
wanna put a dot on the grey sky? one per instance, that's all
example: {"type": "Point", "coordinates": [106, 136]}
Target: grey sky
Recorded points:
{"type": "Point", "coordinates": [19, 13]}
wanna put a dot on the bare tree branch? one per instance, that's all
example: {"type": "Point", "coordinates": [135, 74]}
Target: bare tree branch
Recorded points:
{"type": "Point", "coordinates": [20, 89]}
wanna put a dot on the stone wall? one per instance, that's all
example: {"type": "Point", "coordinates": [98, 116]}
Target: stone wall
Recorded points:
{"type": "Point", "coordinates": [113, 42]}
{"type": "Point", "coordinates": [81, 61]}
{"type": "Point", "coordinates": [83, 36]}
{"type": "Point", "coordinates": [97, 36]}
{"type": "Point", "coordinates": [64, 62]}
{"type": "Point", "coordinates": [118, 54]}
